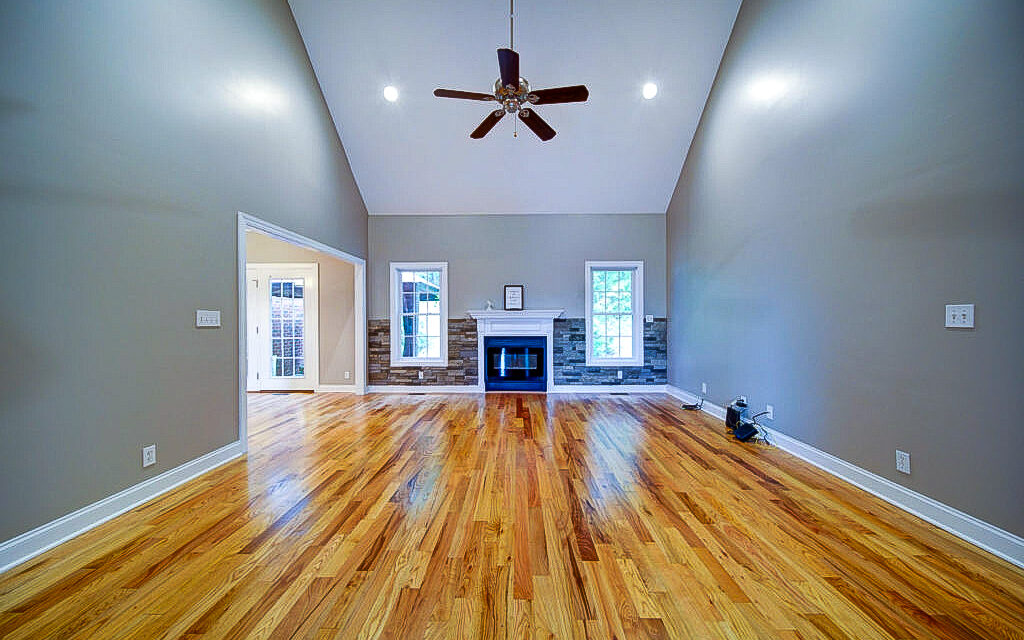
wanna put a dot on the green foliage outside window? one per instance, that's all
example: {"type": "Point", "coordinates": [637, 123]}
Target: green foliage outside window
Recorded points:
{"type": "Point", "coordinates": [612, 313]}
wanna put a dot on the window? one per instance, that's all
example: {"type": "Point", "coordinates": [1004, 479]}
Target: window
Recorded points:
{"type": "Point", "coordinates": [287, 322]}
{"type": "Point", "coordinates": [615, 300]}
{"type": "Point", "coordinates": [419, 314]}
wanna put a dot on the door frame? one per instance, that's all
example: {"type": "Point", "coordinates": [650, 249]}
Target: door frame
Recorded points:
{"type": "Point", "coordinates": [311, 272]}
{"type": "Point", "coordinates": [247, 222]}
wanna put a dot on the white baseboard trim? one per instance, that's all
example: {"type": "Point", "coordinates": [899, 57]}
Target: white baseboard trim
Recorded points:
{"type": "Point", "coordinates": [423, 388]}
{"type": "Point", "coordinates": [45, 537]}
{"type": "Point", "coordinates": [607, 388]}
{"type": "Point", "coordinates": [337, 388]}
{"type": "Point", "coordinates": [963, 525]}
{"type": "Point", "coordinates": [981, 534]}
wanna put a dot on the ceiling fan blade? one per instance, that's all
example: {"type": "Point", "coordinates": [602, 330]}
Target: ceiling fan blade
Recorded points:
{"type": "Point", "coordinates": [488, 124]}
{"type": "Point", "coordinates": [536, 124]}
{"type": "Point", "coordinates": [464, 95]}
{"type": "Point", "coordinates": [558, 95]}
{"type": "Point", "coordinates": [508, 62]}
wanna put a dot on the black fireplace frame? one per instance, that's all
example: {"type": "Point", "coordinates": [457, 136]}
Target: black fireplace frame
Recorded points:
{"type": "Point", "coordinates": [533, 382]}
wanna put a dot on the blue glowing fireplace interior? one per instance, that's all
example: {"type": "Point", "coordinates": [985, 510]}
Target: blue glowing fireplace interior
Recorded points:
{"type": "Point", "coordinates": [515, 363]}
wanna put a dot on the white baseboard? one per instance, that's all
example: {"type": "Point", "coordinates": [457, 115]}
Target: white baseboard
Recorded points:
{"type": "Point", "coordinates": [607, 388]}
{"type": "Point", "coordinates": [337, 388]}
{"type": "Point", "coordinates": [423, 388]}
{"type": "Point", "coordinates": [963, 525]}
{"type": "Point", "coordinates": [45, 537]}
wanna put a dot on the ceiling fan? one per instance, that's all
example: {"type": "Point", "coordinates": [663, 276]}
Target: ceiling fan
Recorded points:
{"type": "Point", "coordinates": [513, 94]}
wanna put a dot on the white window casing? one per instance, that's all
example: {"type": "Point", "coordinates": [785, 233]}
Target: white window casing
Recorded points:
{"type": "Point", "coordinates": [615, 309]}
{"type": "Point", "coordinates": [419, 322]}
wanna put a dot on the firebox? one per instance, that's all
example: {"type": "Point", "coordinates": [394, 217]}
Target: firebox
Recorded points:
{"type": "Point", "coordinates": [515, 363]}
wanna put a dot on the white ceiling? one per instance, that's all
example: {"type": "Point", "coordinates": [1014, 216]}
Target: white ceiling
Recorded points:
{"type": "Point", "coordinates": [616, 153]}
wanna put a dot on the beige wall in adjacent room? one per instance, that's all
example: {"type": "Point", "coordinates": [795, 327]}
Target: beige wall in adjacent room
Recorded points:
{"type": "Point", "coordinates": [337, 302]}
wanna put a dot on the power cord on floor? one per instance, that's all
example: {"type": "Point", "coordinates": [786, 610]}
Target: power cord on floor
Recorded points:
{"type": "Point", "coordinates": [763, 435]}
{"type": "Point", "coordinates": [694, 407]}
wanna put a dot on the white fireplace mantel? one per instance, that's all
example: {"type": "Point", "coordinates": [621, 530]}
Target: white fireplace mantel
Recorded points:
{"type": "Point", "coordinates": [529, 322]}
{"type": "Point", "coordinates": [519, 323]}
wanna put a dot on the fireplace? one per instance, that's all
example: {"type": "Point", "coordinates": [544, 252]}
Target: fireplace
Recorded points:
{"type": "Point", "coordinates": [515, 363]}
{"type": "Point", "coordinates": [526, 338]}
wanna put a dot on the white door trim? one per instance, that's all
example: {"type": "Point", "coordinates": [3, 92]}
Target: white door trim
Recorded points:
{"type": "Point", "coordinates": [247, 222]}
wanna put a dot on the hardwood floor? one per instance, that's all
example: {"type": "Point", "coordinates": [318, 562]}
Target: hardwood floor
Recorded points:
{"type": "Point", "coordinates": [510, 515]}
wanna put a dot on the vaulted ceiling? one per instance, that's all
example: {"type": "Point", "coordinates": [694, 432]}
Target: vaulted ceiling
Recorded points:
{"type": "Point", "coordinates": [616, 153]}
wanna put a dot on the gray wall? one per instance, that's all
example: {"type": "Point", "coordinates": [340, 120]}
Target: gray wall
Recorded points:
{"type": "Point", "coordinates": [544, 252]}
{"type": "Point", "coordinates": [814, 239]}
{"type": "Point", "coordinates": [336, 289]}
{"type": "Point", "coordinates": [132, 133]}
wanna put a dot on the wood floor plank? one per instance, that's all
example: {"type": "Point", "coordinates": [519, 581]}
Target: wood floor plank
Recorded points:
{"type": "Point", "coordinates": [510, 515]}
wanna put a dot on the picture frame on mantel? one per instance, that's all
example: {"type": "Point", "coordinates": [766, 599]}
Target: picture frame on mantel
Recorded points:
{"type": "Point", "coordinates": [514, 296]}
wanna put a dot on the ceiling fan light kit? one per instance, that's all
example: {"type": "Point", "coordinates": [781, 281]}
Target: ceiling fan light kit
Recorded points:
{"type": "Point", "coordinates": [513, 95]}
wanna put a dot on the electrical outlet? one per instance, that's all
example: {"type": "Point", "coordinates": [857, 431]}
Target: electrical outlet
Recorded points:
{"type": "Point", "coordinates": [619, 373]}
{"type": "Point", "coordinates": [769, 411]}
{"type": "Point", "coordinates": [902, 461]}
{"type": "Point", "coordinates": [149, 455]}
{"type": "Point", "coordinates": [348, 374]}
{"type": "Point", "coordinates": [704, 387]}
{"type": "Point", "coordinates": [420, 373]}
{"type": "Point", "coordinates": [960, 316]}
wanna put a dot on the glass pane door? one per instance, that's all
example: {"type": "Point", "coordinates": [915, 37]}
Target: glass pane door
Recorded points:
{"type": "Point", "coordinates": [287, 327]}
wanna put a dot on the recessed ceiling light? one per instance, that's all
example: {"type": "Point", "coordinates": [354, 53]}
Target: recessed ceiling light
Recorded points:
{"type": "Point", "coordinates": [650, 90]}
{"type": "Point", "coordinates": [390, 93]}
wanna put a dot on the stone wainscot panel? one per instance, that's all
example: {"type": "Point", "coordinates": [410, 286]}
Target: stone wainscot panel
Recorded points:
{"type": "Point", "coordinates": [462, 357]}
{"type": "Point", "coordinates": [568, 360]}
{"type": "Point", "coordinates": [570, 357]}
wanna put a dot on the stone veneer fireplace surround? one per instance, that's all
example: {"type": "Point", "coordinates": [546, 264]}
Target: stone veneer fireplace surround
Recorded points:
{"type": "Point", "coordinates": [531, 322]}
{"type": "Point", "coordinates": [567, 358]}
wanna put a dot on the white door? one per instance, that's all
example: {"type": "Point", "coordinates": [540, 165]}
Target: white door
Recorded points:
{"type": "Point", "coordinates": [282, 311]}
{"type": "Point", "coordinates": [253, 322]}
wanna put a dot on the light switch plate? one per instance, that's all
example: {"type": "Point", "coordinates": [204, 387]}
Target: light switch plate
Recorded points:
{"type": "Point", "coordinates": [649, 318]}
{"type": "Point", "coordinates": [206, 318]}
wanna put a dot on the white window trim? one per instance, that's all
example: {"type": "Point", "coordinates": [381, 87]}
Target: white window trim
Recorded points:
{"type": "Point", "coordinates": [637, 266]}
{"type": "Point", "coordinates": [397, 360]}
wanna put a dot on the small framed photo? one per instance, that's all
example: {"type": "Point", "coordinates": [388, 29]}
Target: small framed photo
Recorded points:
{"type": "Point", "coordinates": [514, 297]}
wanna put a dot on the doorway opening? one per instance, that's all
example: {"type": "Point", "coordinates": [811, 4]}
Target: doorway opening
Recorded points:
{"type": "Point", "coordinates": [282, 325]}
{"type": "Point", "coordinates": [302, 315]}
